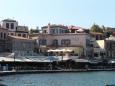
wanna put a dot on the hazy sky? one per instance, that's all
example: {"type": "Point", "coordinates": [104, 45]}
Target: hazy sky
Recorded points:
{"type": "Point", "coordinates": [68, 12]}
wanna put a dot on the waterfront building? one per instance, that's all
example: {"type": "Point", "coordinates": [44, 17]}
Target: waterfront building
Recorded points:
{"type": "Point", "coordinates": [110, 47]}
{"type": "Point", "coordinates": [60, 37]}
{"type": "Point", "coordinates": [9, 24]}
{"type": "Point", "coordinates": [20, 45]}
{"type": "Point", "coordinates": [22, 31]}
{"type": "Point", "coordinates": [14, 29]}
{"type": "Point", "coordinates": [3, 36]}
{"type": "Point", "coordinates": [99, 49]}
{"type": "Point", "coordinates": [104, 49]}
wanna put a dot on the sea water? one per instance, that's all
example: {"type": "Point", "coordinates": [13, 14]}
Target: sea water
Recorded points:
{"type": "Point", "coordinates": [61, 79]}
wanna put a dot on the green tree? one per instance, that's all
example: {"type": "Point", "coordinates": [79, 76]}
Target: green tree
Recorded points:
{"type": "Point", "coordinates": [103, 28]}
{"type": "Point", "coordinates": [108, 32]}
{"type": "Point", "coordinates": [96, 28]}
{"type": "Point", "coordinates": [34, 30]}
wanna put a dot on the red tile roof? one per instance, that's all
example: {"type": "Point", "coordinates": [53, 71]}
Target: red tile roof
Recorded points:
{"type": "Point", "coordinates": [74, 27]}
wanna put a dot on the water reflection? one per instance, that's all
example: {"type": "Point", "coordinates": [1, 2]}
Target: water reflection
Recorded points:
{"type": "Point", "coordinates": [61, 79]}
{"type": "Point", "coordinates": [2, 84]}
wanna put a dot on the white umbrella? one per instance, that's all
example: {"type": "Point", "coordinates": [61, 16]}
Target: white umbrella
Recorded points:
{"type": "Point", "coordinates": [60, 50]}
{"type": "Point", "coordinates": [66, 50]}
{"type": "Point", "coordinates": [80, 30]}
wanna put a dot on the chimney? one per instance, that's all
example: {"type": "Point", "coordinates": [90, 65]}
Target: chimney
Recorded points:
{"type": "Point", "coordinates": [48, 29]}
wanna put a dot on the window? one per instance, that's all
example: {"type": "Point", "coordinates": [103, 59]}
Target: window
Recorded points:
{"type": "Point", "coordinates": [12, 25]}
{"type": "Point", "coordinates": [73, 31]}
{"type": "Point", "coordinates": [102, 53]}
{"type": "Point", "coordinates": [65, 42]}
{"type": "Point", "coordinates": [96, 55]}
{"type": "Point", "coordinates": [16, 28]}
{"type": "Point", "coordinates": [42, 42]}
{"type": "Point", "coordinates": [112, 46]}
{"type": "Point", "coordinates": [1, 34]}
{"type": "Point", "coordinates": [24, 35]}
{"type": "Point", "coordinates": [56, 31]}
{"type": "Point", "coordinates": [4, 35]}
{"type": "Point", "coordinates": [19, 34]}
{"type": "Point", "coordinates": [66, 31]}
{"type": "Point", "coordinates": [55, 42]}
{"type": "Point", "coordinates": [97, 38]}
{"type": "Point", "coordinates": [101, 37]}
{"type": "Point", "coordinates": [12, 34]}
{"type": "Point", "coordinates": [52, 31]}
{"type": "Point", "coordinates": [113, 54]}
{"type": "Point", "coordinates": [60, 31]}
{"type": "Point", "coordinates": [62, 42]}
{"type": "Point", "coordinates": [44, 31]}
{"type": "Point", "coordinates": [87, 42]}
{"type": "Point", "coordinates": [7, 25]}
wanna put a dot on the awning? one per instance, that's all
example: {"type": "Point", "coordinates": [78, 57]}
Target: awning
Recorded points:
{"type": "Point", "coordinates": [76, 50]}
{"type": "Point", "coordinates": [60, 50]}
{"type": "Point", "coordinates": [80, 30]}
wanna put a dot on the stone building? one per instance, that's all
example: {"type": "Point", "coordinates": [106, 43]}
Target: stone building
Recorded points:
{"type": "Point", "coordinates": [22, 31]}
{"type": "Point", "coordinates": [20, 45]}
{"type": "Point", "coordinates": [99, 51]}
{"type": "Point", "coordinates": [79, 43]}
{"type": "Point", "coordinates": [60, 37]}
{"type": "Point", "coordinates": [14, 29]}
{"type": "Point", "coordinates": [110, 47]}
{"type": "Point", "coordinates": [3, 37]}
{"type": "Point", "coordinates": [104, 48]}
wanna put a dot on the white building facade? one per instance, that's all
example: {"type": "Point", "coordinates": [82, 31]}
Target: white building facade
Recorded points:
{"type": "Point", "coordinates": [58, 37]}
{"type": "Point", "coordinates": [14, 29]}
{"type": "Point", "coordinates": [9, 24]}
{"type": "Point", "coordinates": [20, 45]}
{"type": "Point", "coordinates": [79, 43]}
{"type": "Point", "coordinates": [54, 29]}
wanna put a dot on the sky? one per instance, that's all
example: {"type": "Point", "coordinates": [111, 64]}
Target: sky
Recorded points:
{"type": "Point", "coordinates": [82, 13]}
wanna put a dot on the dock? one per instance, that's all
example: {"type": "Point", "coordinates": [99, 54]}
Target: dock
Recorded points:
{"type": "Point", "coordinates": [2, 73]}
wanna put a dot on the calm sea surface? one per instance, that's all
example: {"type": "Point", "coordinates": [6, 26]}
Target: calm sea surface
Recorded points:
{"type": "Point", "coordinates": [60, 79]}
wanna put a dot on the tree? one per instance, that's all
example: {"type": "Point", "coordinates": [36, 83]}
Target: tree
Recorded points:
{"type": "Point", "coordinates": [34, 30]}
{"type": "Point", "coordinates": [103, 28]}
{"type": "Point", "coordinates": [96, 28]}
{"type": "Point", "coordinates": [108, 32]}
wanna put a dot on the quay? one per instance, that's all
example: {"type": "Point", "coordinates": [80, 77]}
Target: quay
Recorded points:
{"type": "Point", "coordinates": [3, 73]}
